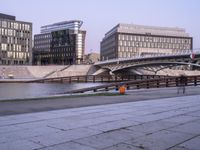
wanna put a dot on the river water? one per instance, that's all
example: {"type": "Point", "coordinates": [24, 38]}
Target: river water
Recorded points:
{"type": "Point", "coordinates": [29, 90]}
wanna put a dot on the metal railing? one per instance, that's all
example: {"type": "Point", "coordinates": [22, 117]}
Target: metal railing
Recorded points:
{"type": "Point", "coordinates": [179, 53]}
{"type": "Point", "coordinates": [97, 78]}
{"type": "Point", "coordinates": [139, 84]}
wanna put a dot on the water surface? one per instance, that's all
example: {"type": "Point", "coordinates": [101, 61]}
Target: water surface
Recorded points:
{"type": "Point", "coordinates": [27, 90]}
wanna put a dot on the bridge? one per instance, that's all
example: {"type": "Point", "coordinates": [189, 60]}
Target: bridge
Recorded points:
{"type": "Point", "coordinates": [152, 63]}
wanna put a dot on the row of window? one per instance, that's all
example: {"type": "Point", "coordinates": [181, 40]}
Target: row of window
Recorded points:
{"type": "Point", "coordinates": [45, 36]}
{"type": "Point", "coordinates": [15, 62]}
{"type": "Point", "coordinates": [42, 47]}
{"type": "Point", "coordinates": [126, 54]}
{"type": "Point", "coordinates": [42, 41]}
{"type": "Point", "coordinates": [153, 39]}
{"type": "Point", "coordinates": [63, 49]}
{"type": "Point", "coordinates": [19, 55]}
{"type": "Point", "coordinates": [108, 41]}
{"type": "Point", "coordinates": [13, 40]}
{"type": "Point", "coordinates": [15, 25]}
{"type": "Point", "coordinates": [154, 45]}
{"type": "Point", "coordinates": [15, 55]}
{"type": "Point", "coordinates": [57, 55]}
{"type": "Point", "coordinates": [15, 33]}
{"type": "Point", "coordinates": [135, 49]}
{"type": "Point", "coordinates": [13, 47]}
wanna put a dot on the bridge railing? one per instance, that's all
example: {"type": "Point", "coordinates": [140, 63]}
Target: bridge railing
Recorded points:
{"type": "Point", "coordinates": [139, 84]}
{"type": "Point", "coordinates": [179, 53]}
{"type": "Point", "coordinates": [97, 78]}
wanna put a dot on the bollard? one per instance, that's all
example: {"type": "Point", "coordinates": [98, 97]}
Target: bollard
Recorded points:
{"type": "Point", "coordinates": [122, 89]}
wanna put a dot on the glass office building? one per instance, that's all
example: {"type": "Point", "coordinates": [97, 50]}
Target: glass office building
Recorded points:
{"type": "Point", "coordinates": [60, 43]}
{"type": "Point", "coordinates": [128, 40]}
{"type": "Point", "coordinates": [15, 41]}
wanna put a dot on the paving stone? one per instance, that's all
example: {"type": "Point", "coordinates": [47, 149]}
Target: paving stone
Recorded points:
{"type": "Point", "coordinates": [19, 145]}
{"type": "Point", "coordinates": [194, 114]}
{"type": "Point", "coordinates": [109, 138]}
{"type": "Point", "coordinates": [69, 146]}
{"type": "Point", "coordinates": [179, 148]}
{"type": "Point", "coordinates": [6, 129]}
{"type": "Point", "coordinates": [151, 127]}
{"type": "Point", "coordinates": [64, 136]}
{"type": "Point", "coordinates": [193, 144]}
{"type": "Point", "coordinates": [160, 140]}
{"type": "Point", "coordinates": [28, 133]}
{"type": "Point", "coordinates": [190, 128]}
{"type": "Point", "coordinates": [108, 126]}
{"type": "Point", "coordinates": [66, 124]}
{"type": "Point", "coordinates": [181, 119]}
{"type": "Point", "coordinates": [123, 146]}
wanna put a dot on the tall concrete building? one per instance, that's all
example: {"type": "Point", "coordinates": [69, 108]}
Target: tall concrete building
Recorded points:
{"type": "Point", "coordinates": [129, 40]}
{"type": "Point", "coordinates": [15, 41]}
{"type": "Point", "coordinates": [60, 43]}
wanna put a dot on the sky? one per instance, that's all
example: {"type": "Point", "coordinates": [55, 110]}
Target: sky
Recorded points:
{"type": "Point", "coordinates": [99, 16]}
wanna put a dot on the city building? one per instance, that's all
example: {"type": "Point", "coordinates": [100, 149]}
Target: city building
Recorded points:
{"type": "Point", "coordinates": [129, 40]}
{"type": "Point", "coordinates": [91, 58]}
{"type": "Point", "coordinates": [15, 41]}
{"type": "Point", "coordinates": [60, 43]}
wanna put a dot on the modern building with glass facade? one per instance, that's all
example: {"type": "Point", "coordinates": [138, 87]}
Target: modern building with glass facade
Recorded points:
{"type": "Point", "coordinates": [60, 43]}
{"type": "Point", "coordinates": [129, 40]}
{"type": "Point", "coordinates": [15, 41]}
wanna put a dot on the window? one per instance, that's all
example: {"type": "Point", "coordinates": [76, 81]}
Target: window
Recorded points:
{"type": "Point", "coordinates": [122, 37]}
{"type": "Point", "coordinates": [4, 24]}
{"type": "Point", "coordinates": [11, 25]}
{"type": "Point", "coordinates": [120, 43]}
{"type": "Point", "coordinates": [3, 47]}
{"type": "Point", "coordinates": [10, 32]}
{"type": "Point", "coordinates": [126, 37]}
{"type": "Point", "coordinates": [15, 25]}
{"type": "Point", "coordinates": [142, 38]}
{"type": "Point", "coordinates": [6, 33]}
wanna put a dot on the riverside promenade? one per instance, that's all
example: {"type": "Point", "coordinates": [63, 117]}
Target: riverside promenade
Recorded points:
{"type": "Point", "coordinates": [151, 123]}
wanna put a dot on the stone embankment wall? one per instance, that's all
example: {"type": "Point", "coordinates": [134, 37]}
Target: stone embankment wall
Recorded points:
{"type": "Point", "coordinates": [21, 72]}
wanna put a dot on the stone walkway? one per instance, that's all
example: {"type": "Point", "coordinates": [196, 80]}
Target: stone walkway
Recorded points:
{"type": "Point", "coordinates": [171, 123]}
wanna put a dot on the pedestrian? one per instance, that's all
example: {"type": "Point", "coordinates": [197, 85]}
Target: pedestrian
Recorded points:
{"type": "Point", "coordinates": [182, 81]}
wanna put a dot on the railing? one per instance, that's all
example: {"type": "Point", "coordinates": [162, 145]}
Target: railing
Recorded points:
{"type": "Point", "coordinates": [98, 78]}
{"type": "Point", "coordinates": [148, 83]}
{"type": "Point", "coordinates": [181, 53]}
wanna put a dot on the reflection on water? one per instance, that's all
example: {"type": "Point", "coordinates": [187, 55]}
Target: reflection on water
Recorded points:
{"type": "Point", "coordinates": [26, 90]}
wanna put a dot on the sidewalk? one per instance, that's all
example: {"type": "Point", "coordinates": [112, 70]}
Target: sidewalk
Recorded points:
{"type": "Point", "coordinates": [170, 123]}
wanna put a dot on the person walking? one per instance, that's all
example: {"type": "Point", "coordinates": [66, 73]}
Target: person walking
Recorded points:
{"type": "Point", "coordinates": [182, 83]}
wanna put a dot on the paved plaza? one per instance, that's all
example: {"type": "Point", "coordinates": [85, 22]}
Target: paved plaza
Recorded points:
{"type": "Point", "coordinates": [170, 123]}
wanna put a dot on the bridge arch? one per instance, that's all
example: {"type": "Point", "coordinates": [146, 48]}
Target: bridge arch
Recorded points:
{"type": "Point", "coordinates": [151, 64]}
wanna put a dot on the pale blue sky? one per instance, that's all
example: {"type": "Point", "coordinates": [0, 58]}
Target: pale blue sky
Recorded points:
{"type": "Point", "coordinates": [99, 16]}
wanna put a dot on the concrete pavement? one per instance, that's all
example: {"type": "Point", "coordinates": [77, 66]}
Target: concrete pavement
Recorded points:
{"type": "Point", "coordinates": [170, 123]}
{"type": "Point", "coordinates": [62, 102]}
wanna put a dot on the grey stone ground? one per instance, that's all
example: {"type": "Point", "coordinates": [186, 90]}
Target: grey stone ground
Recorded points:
{"type": "Point", "coordinates": [45, 104]}
{"type": "Point", "coordinates": [170, 123]}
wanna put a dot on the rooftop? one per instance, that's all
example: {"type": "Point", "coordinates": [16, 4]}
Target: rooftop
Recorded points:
{"type": "Point", "coordinates": [150, 30]}
{"type": "Point", "coordinates": [71, 24]}
{"type": "Point", "coordinates": [5, 16]}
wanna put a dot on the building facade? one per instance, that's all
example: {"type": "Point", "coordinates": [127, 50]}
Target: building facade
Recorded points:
{"type": "Point", "coordinates": [128, 40]}
{"type": "Point", "coordinates": [91, 58]}
{"type": "Point", "coordinates": [15, 41]}
{"type": "Point", "coordinates": [61, 43]}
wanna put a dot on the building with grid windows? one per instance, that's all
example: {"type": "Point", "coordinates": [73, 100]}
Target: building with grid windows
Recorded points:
{"type": "Point", "coordinates": [128, 40]}
{"type": "Point", "coordinates": [60, 43]}
{"type": "Point", "coordinates": [15, 41]}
